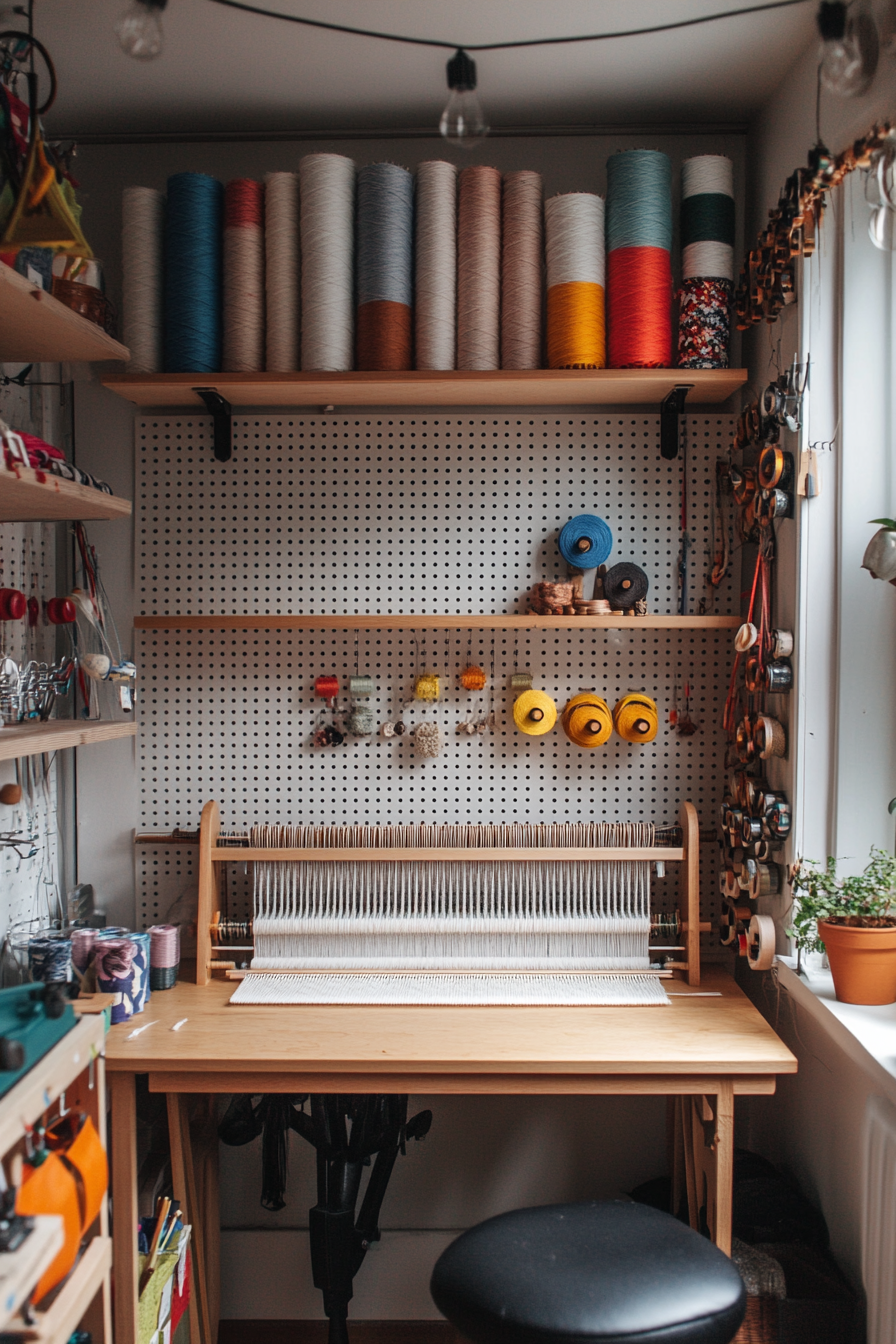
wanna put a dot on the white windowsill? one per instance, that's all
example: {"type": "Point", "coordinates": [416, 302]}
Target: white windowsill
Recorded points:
{"type": "Point", "coordinates": [873, 1029]}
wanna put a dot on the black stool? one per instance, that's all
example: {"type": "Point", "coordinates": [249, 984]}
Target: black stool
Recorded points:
{"type": "Point", "coordinates": [613, 1273]}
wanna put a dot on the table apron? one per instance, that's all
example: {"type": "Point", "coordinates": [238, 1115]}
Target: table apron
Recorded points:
{"type": "Point", "coordinates": [464, 1084]}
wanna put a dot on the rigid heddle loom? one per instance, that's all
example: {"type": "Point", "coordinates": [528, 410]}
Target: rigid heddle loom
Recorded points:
{"type": "Point", "coordinates": [555, 913]}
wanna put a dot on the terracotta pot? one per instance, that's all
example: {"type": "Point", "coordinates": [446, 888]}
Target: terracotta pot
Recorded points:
{"type": "Point", "coordinates": [863, 962]}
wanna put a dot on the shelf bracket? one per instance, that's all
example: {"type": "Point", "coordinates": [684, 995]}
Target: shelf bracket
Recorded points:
{"type": "Point", "coordinates": [221, 412]}
{"type": "Point", "coordinates": [670, 410]}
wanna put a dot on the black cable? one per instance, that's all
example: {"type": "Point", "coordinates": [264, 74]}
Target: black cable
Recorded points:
{"type": "Point", "coordinates": [503, 46]}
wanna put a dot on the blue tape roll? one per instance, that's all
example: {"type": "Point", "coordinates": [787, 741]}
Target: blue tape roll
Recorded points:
{"type": "Point", "coordinates": [586, 527]}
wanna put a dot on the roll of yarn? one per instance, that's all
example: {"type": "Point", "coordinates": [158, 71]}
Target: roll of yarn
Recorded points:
{"type": "Point", "coordinates": [193, 249]}
{"type": "Point", "coordinates": [534, 713]}
{"type": "Point", "coordinates": [574, 247]}
{"type": "Point", "coordinates": [281, 264]}
{"type": "Point", "coordinates": [472, 678]}
{"type": "Point", "coordinates": [707, 262]}
{"type": "Point", "coordinates": [243, 323]}
{"type": "Point", "coordinates": [327, 218]}
{"type": "Point", "coordinates": [586, 720]}
{"type": "Point", "coordinates": [435, 298]}
{"type": "Point", "coordinates": [428, 687]}
{"type": "Point", "coordinates": [585, 541]}
{"type": "Point", "coordinates": [521, 681]}
{"type": "Point", "coordinates": [164, 955]}
{"type": "Point", "coordinates": [521, 270]}
{"type": "Point", "coordinates": [142, 277]}
{"type": "Point", "coordinates": [479, 269]}
{"type": "Point", "coordinates": [384, 267]}
{"type": "Point", "coordinates": [428, 740]}
{"type": "Point", "coordinates": [50, 957]}
{"type": "Point", "coordinates": [624, 585]}
{"type": "Point", "coordinates": [116, 974]}
{"type": "Point", "coordinates": [639, 265]}
{"type": "Point", "coordinates": [635, 718]}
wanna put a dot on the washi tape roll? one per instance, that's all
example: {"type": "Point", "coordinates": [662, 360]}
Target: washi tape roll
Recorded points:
{"type": "Point", "coordinates": [585, 541]}
{"type": "Point", "coordinates": [587, 721]}
{"type": "Point", "coordinates": [534, 713]}
{"type": "Point", "coordinates": [635, 718]}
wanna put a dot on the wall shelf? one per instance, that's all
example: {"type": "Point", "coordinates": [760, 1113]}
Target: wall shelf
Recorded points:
{"type": "Point", "coordinates": [38, 496]}
{"type": "Point", "coordinates": [409, 621]}
{"type": "Point", "coordinates": [32, 739]}
{"type": "Point", "coordinates": [34, 326]}
{"type": "Point", "coordinates": [540, 387]}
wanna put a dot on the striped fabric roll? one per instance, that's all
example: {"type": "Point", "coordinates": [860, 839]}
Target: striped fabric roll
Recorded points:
{"type": "Point", "coordinates": [707, 261]}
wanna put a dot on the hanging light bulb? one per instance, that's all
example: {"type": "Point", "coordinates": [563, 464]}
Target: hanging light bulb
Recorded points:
{"type": "Point", "coordinates": [139, 29]}
{"type": "Point", "coordinates": [849, 47]}
{"type": "Point", "coordinates": [463, 120]}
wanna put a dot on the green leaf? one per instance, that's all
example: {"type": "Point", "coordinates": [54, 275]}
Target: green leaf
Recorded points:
{"type": "Point", "coordinates": [889, 523]}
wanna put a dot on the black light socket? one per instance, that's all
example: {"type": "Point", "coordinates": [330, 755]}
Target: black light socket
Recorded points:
{"type": "Point", "coordinates": [831, 20]}
{"type": "Point", "coordinates": [461, 72]}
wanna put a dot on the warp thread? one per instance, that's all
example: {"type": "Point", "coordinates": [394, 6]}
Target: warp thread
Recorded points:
{"type": "Point", "coordinates": [521, 271]}
{"type": "Point", "coordinates": [327, 215]}
{"type": "Point", "coordinates": [479, 269]}
{"type": "Point", "coordinates": [639, 266]}
{"type": "Point", "coordinates": [384, 265]}
{"type": "Point", "coordinates": [585, 541]}
{"type": "Point", "coordinates": [574, 237]}
{"type": "Point", "coordinates": [436, 265]}
{"type": "Point", "coordinates": [281, 260]}
{"type": "Point", "coordinates": [193, 247]}
{"type": "Point", "coordinates": [707, 262]}
{"type": "Point", "coordinates": [243, 342]}
{"type": "Point", "coordinates": [142, 271]}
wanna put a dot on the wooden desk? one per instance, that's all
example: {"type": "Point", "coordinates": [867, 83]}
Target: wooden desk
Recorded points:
{"type": "Point", "coordinates": [708, 1047]}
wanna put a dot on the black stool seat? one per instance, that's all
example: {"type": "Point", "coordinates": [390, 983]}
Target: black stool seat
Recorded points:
{"type": "Point", "coordinates": [611, 1272]}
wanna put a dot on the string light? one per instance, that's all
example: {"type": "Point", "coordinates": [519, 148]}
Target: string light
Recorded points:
{"type": "Point", "coordinates": [463, 121]}
{"type": "Point", "coordinates": [139, 29]}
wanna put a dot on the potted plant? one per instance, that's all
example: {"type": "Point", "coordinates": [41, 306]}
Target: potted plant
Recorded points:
{"type": "Point", "coordinates": [850, 918]}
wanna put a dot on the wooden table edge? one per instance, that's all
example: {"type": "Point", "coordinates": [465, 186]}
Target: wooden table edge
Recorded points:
{"type": "Point", "coordinates": [466, 1084]}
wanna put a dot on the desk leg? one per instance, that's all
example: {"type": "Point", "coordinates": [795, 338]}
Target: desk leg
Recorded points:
{"type": "Point", "coordinates": [724, 1151]}
{"type": "Point", "coordinates": [122, 1087]}
{"type": "Point", "coordinates": [707, 1132]}
{"type": "Point", "coordinates": [183, 1176]}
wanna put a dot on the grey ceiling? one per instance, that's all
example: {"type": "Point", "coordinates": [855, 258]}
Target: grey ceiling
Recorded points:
{"type": "Point", "coordinates": [224, 71]}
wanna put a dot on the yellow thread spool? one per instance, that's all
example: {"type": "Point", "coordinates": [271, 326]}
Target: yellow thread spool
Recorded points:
{"type": "Point", "coordinates": [635, 718]}
{"type": "Point", "coordinates": [534, 713]}
{"type": "Point", "coordinates": [587, 721]}
{"type": "Point", "coordinates": [576, 329]}
{"type": "Point", "coordinates": [427, 686]}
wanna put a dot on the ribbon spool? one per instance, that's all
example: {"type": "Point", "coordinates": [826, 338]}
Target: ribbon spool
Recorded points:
{"type": "Point", "coordinates": [770, 470]}
{"type": "Point", "coordinates": [13, 604]}
{"type": "Point", "coordinates": [765, 880]}
{"type": "Point", "coordinates": [361, 686]}
{"type": "Point", "coordinates": [428, 740]}
{"type": "Point", "coordinates": [427, 687]}
{"type": "Point", "coordinates": [727, 927]}
{"type": "Point", "coordinates": [61, 611]}
{"type": "Point", "coordinates": [769, 737]}
{"type": "Point", "coordinates": [585, 541]}
{"type": "Point", "coordinates": [472, 678]}
{"type": "Point", "coordinates": [327, 688]}
{"type": "Point", "coordinates": [761, 943]}
{"type": "Point", "coordinates": [782, 643]}
{"type": "Point", "coordinates": [624, 585]}
{"type": "Point", "coordinates": [587, 721]}
{"type": "Point", "coordinates": [635, 718]}
{"type": "Point", "coordinates": [521, 681]}
{"type": "Point", "coordinates": [534, 713]}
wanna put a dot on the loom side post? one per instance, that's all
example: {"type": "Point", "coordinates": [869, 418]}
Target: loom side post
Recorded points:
{"type": "Point", "coordinates": [209, 829]}
{"type": "Point", "coordinates": [689, 887]}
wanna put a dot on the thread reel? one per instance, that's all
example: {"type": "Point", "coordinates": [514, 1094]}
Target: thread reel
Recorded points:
{"type": "Point", "coordinates": [427, 687]}
{"type": "Point", "coordinates": [585, 542]}
{"type": "Point", "coordinates": [625, 586]}
{"type": "Point", "coordinates": [361, 685]}
{"type": "Point", "coordinates": [61, 611]}
{"type": "Point", "coordinates": [635, 718]}
{"type": "Point", "coordinates": [13, 604]}
{"type": "Point", "coordinates": [775, 469]}
{"type": "Point", "coordinates": [534, 713]}
{"type": "Point", "coordinates": [587, 721]}
{"type": "Point", "coordinates": [521, 681]}
{"type": "Point", "coordinates": [775, 676]}
{"type": "Point", "coordinates": [761, 940]}
{"type": "Point", "coordinates": [326, 688]}
{"type": "Point", "coordinates": [472, 678]}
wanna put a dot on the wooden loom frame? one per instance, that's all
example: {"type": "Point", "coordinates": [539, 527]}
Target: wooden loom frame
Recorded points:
{"type": "Point", "coordinates": [211, 855]}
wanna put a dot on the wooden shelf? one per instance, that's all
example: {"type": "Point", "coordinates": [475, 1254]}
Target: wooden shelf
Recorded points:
{"type": "Point", "coordinates": [31, 739]}
{"type": "Point", "coordinates": [405, 621]}
{"type": "Point", "coordinates": [38, 496]}
{"type": "Point", "coordinates": [57, 1324]}
{"type": "Point", "coordinates": [36, 1090]}
{"type": "Point", "coordinates": [35, 326]}
{"type": "Point", "coordinates": [541, 387]}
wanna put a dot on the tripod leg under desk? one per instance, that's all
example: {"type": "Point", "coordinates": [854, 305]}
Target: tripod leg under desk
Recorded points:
{"type": "Point", "coordinates": [704, 1131]}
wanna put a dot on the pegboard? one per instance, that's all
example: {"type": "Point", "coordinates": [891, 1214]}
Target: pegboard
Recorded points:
{"type": "Point", "coordinates": [421, 513]}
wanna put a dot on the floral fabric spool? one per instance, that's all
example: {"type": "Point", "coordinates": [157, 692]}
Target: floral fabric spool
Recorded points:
{"type": "Point", "coordinates": [116, 974]}
{"type": "Point", "coordinates": [704, 324]}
